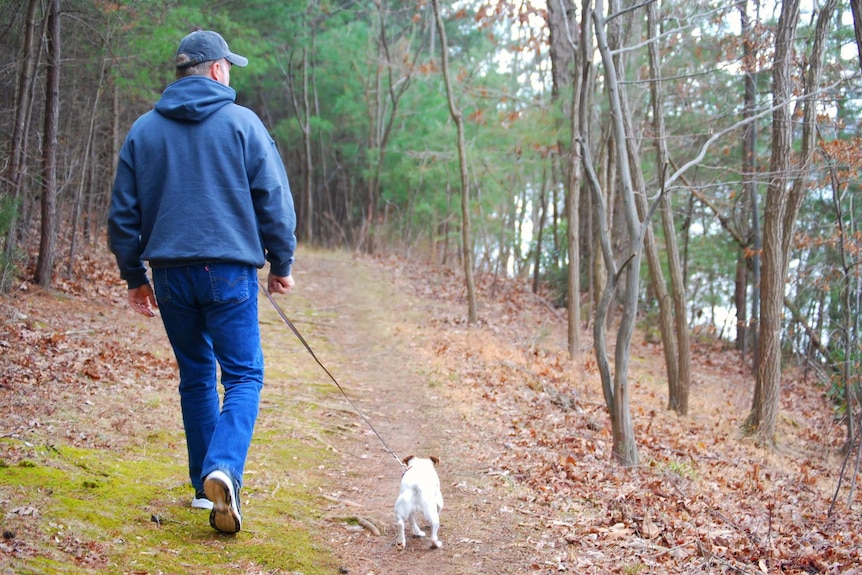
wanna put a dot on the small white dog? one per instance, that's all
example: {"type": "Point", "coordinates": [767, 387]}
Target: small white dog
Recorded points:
{"type": "Point", "coordinates": [420, 493]}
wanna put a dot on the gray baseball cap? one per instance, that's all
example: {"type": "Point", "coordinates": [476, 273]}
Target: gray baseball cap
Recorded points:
{"type": "Point", "coordinates": [205, 46]}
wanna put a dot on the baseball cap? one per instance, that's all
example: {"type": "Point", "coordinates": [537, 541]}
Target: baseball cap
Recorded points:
{"type": "Point", "coordinates": [205, 46]}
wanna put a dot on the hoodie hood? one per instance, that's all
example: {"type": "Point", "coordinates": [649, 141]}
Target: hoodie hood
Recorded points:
{"type": "Point", "coordinates": [194, 98]}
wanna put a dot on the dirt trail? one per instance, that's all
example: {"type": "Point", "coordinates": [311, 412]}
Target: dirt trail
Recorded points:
{"type": "Point", "coordinates": [379, 334]}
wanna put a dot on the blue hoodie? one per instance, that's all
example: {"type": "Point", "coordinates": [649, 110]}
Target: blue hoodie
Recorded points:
{"type": "Point", "coordinates": [199, 180]}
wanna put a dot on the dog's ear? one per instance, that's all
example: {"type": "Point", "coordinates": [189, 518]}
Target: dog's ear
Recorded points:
{"type": "Point", "coordinates": [407, 459]}
{"type": "Point", "coordinates": [435, 460]}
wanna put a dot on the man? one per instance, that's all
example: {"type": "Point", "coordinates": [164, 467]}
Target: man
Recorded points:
{"type": "Point", "coordinates": [202, 195]}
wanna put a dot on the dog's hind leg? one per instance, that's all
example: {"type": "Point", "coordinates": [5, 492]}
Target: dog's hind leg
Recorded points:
{"type": "Point", "coordinates": [415, 526]}
{"type": "Point", "coordinates": [433, 518]}
{"type": "Point", "coordinates": [400, 542]}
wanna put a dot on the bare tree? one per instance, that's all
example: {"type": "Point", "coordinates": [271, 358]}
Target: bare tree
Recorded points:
{"type": "Point", "coordinates": [303, 113]}
{"type": "Point", "coordinates": [747, 331]}
{"type": "Point", "coordinates": [566, 59]}
{"type": "Point", "coordinates": [783, 200]}
{"type": "Point", "coordinates": [48, 241]}
{"type": "Point", "coordinates": [462, 162]}
{"type": "Point", "coordinates": [849, 335]}
{"type": "Point", "coordinates": [678, 387]}
{"type": "Point", "coordinates": [542, 207]}
{"type": "Point", "coordinates": [616, 388]}
{"type": "Point", "coordinates": [383, 101]}
{"type": "Point", "coordinates": [671, 349]}
{"type": "Point", "coordinates": [23, 105]}
{"type": "Point", "coordinates": [856, 8]}
{"type": "Point", "coordinates": [88, 165]}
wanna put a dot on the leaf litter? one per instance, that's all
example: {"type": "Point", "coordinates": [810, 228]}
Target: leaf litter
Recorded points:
{"type": "Point", "coordinates": [540, 494]}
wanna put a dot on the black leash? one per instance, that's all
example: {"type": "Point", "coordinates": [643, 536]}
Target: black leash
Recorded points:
{"type": "Point", "coordinates": [298, 335]}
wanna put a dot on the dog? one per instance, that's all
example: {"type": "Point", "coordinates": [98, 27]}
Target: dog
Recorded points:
{"type": "Point", "coordinates": [420, 493]}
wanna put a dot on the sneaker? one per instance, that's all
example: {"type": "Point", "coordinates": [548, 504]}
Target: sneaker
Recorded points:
{"type": "Point", "coordinates": [220, 490]}
{"type": "Point", "coordinates": [200, 500]}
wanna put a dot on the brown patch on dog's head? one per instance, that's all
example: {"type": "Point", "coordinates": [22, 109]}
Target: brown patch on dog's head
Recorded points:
{"type": "Point", "coordinates": [434, 459]}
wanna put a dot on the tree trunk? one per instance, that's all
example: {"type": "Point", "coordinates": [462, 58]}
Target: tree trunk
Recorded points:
{"type": "Point", "coordinates": [678, 389]}
{"type": "Point", "coordinates": [625, 449]}
{"type": "Point", "coordinates": [666, 324]}
{"type": "Point", "coordinates": [856, 7]}
{"type": "Point", "coordinates": [573, 247]}
{"type": "Point", "coordinates": [446, 227]}
{"type": "Point", "coordinates": [764, 411]}
{"type": "Point", "coordinates": [18, 146]}
{"type": "Point", "coordinates": [658, 284]}
{"type": "Point", "coordinates": [89, 158]}
{"type": "Point", "coordinates": [754, 328]}
{"type": "Point", "coordinates": [325, 206]}
{"type": "Point", "coordinates": [566, 60]}
{"type": "Point", "coordinates": [849, 337]}
{"type": "Point", "coordinates": [302, 112]}
{"type": "Point", "coordinates": [607, 185]}
{"type": "Point", "coordinates": [543, 211]}
{"type": "Point", "coordinates": [466, 240]}
{"type": "Point", "coordinates": [308, 172]}
{"type": "Point", "coordinates": [48, 240]}
{"type": "Point", "coordinates": [747, 335]}
{"type": "Point", "coordinates": [782, 207]}
{"type": "Point", "coordinates": [560, 18]}
{"type": "Point", "coordinates": [581, 95]}
{"type": "Point", "coordinates": [740, 302]}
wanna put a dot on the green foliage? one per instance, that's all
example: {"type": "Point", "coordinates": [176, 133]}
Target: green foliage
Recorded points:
{"type": "Point", "coordinates": [555, 272]}
{"type": "Point", "coordinates": [838, 387]}
{"type": "Point", "coordinates": [330, 56]}
{"type": "Point", "coordinates": [712, 257]}
{"type": "Point", "coordinates": [8, 264]}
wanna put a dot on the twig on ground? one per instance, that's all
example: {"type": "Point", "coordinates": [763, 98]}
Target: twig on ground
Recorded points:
{"type": "Point", "coordinates": [371, 527]}
{"type": "Point", "coordinates": [339, 500]}
{"type": "Point", "coordinates": [364, 522]}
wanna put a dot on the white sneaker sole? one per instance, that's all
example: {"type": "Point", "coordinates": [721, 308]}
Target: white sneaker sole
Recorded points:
{"type": "Point", "coordinates": [201, 503]}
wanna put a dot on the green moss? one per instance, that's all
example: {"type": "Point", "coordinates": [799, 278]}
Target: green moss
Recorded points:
{"type": "Point", "coordinates": [113, 511]}
{"type": "Point", "coordinates": [109, 512]}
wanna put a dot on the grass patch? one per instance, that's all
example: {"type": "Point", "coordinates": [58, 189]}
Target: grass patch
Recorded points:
{"type": "Point", "coordinates": [71, 510]}
{"type": "Point", "coordinates": [679, 468]}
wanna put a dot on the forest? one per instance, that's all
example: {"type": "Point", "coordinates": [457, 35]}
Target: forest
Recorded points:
{"type": "Point", "coordinates": [690, 168]}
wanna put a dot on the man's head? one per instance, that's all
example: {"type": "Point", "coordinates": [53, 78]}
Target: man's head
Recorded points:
{"type": "Point", "coordinates": [205, 53]}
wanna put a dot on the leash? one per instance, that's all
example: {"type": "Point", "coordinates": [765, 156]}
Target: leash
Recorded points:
{"type": "Point", "coordinates": [298, 335]}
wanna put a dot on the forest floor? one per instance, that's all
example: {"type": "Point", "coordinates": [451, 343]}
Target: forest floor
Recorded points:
{"type": "Point", "coordinates": [92, 456]}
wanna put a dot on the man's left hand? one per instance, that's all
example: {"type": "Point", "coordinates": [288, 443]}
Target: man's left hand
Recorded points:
{"type": "Point", "coordinates": [142, 300]}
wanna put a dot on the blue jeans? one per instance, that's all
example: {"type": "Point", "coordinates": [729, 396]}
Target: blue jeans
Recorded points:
{"type": "Point", "coordinates": [210, 316]}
